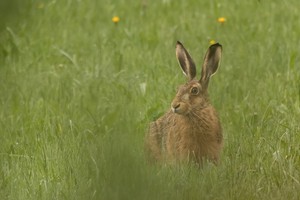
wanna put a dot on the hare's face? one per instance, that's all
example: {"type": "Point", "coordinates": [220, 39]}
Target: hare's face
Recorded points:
{"type": "Point", "coordinates": [189, 96]}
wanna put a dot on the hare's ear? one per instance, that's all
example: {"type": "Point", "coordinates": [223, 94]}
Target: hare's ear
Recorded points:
{"type": "Point", "coordinates": [211, 63]}
{"type": "Point", "coordinates": [186, 62]}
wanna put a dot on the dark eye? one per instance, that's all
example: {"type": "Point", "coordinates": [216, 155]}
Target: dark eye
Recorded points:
{"type": "Point", "coordinates": [194, 90]}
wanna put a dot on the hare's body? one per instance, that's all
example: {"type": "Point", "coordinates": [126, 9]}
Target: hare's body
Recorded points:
{"type": "Point", "coordinates": [191, 130]}
{"type": "Point", "coordinates": [183, 138]}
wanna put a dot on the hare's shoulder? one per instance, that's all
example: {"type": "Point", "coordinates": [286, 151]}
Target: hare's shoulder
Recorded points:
{"type": "Point", "coordinates": [209, 123]}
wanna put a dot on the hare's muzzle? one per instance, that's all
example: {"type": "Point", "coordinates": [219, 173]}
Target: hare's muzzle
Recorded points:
{"type": "Point", "coordinates": [175, 107]}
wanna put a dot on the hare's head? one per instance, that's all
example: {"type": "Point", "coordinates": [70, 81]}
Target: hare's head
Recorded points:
{"type": "Point", "coordinates": [193, 94]}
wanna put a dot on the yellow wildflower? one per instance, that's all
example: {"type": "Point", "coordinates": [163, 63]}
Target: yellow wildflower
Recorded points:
{"type": "Point", "coordinates": [221, 20]}
{"type": "Point", "coordinates": [115, 19]}
{"type": "Point", "coordinates": [211, 42]}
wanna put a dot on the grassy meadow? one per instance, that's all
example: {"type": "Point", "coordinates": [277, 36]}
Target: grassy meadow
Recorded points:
{"type": "Point", "coordinates": [77, 92]}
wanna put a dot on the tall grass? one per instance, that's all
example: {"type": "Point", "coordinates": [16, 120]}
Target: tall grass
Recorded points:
{"type": "Point", "coordinates": [77, 93]}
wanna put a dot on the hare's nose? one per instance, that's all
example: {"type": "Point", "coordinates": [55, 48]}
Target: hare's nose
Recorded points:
{"type": "Point", "coordinates": [175, 107]}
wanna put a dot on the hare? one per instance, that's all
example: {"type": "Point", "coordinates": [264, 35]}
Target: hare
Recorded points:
{"type": "Point", "coordinates": [190, 130]}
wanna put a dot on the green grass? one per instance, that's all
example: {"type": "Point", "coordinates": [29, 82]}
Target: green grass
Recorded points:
{"type": "Point", "coordinates": [73, 113]}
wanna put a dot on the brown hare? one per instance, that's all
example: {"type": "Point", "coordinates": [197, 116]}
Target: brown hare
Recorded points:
{"type": "Point", "coordinates": [190, 130]}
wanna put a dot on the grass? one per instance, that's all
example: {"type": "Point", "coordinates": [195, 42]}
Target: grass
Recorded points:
{"type": "Point", "coordinates": [78, 91]}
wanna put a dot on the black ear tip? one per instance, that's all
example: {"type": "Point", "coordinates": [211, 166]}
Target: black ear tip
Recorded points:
{"type": "Point", "coordinates": [178, 43]}
{"type": "Point", "coordinates": [216, 45]}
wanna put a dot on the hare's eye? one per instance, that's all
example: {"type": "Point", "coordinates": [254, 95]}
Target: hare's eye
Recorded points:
{"type": "Point", "coordinates": [194, 90]}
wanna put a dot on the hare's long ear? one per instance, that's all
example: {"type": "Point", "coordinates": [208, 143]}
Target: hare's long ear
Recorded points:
{"type": "Point", "coordinates": [186, 62]}
{"type": "Point", "coordinates": [211, 63]}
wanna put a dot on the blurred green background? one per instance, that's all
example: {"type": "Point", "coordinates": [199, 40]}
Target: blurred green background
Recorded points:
{"type": "Point", "coordinates": [77, 92]}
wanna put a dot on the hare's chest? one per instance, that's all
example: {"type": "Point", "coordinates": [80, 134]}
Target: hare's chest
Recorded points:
{"type": "Point", "coordinates": [183, 139]}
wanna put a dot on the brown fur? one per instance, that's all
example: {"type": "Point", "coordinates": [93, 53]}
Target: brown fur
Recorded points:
{"type": "Point", "coordinates": [190, 130]}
